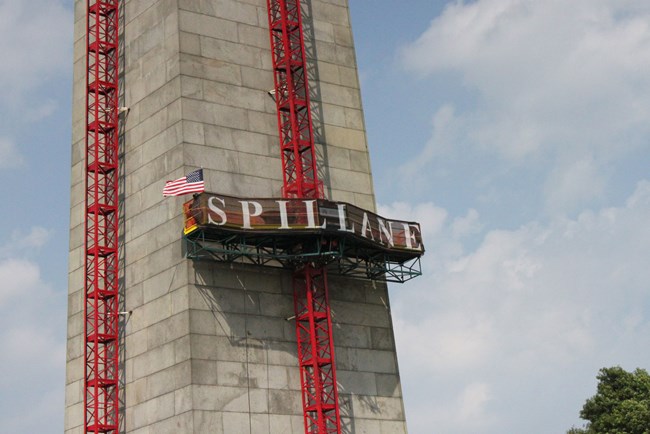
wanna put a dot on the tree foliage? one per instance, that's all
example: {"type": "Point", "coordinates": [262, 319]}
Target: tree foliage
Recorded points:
{"type": "Point", "coordinates": [621, 404]}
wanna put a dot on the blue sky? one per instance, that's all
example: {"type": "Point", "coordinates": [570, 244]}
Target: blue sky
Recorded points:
{"type": "Point", "coordinates": [516, 131]}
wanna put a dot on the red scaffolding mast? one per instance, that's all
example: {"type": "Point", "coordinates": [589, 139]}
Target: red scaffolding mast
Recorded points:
{"type": "Point", "coordinates": [300, 176]}
{"type": "Point", "coordinates": [101, 219]}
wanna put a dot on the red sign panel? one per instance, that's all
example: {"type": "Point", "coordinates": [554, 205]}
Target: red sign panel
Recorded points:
{"type": "Point", "coordinates": [284, 216]}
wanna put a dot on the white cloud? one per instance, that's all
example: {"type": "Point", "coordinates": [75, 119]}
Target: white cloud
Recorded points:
{"type": "Point", "coordinates": [25, 244]}
{"type": "Point", "coordinates": [17, 277]}
{"type": "Point", "coordinates": [465, 409]}
{"type": "Point", "coordinates": [468, 225]}
{"type": "Point", "coordinates": [35, 41]}
{"type": "Point", "coordinates": [579, 180]}
{"type": "Point", "coordinates": [32, 316]}
{"type": "Point", "coordinates": [37, 237]}
{"type": "Point", "coordinates": [10, 157]}
{"type": "Point", "coordinates": [44, 108]}
{"type": "Point", "coordinates": [433, 216]}
{"type": "Point", "coordinates": [557, 83]}
{"type": "Point", "coordinates": [521, 323]}
{"type": "Point", "coordinates": [445, 134]}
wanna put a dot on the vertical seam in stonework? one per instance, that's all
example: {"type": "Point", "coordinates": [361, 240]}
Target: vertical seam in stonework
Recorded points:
{"type": "Point", "coordinates": [394, 351]}
{"type": "Point", "coordinates": [182, 144]}
{"type": "Point", "coordinates": [180, 90]}
{"type": "Point", "coordinates": [248, 377]}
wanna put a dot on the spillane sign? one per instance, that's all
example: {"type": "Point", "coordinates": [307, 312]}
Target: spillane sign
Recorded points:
{"type": "Point", "coordinates": [286, 216]}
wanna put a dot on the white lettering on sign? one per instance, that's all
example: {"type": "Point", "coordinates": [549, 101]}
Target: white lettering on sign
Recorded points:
{"type": "Point", "coordinates": [410, 231]}
{"type": "Point", "coordinates": [312, 214]}
{"type": "Point", "coordinates": [386, 231]}
{"type": "Point", "coordinates": [284, 221]}
{"type": "Point", "coordinates": [342, 219]}
{"type": "Point", "coordinates": [246, 212]}
{"type": "Point", "coordinates": [215, 209]}
{"type": "Point", "coordinates": [311, 221]}
{"type": "Point", "coordinates": [365, 227]}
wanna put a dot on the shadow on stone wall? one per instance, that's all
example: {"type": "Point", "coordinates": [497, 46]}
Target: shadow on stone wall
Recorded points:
{"type": "Point", "coordinates": [121, 241]}
{"type": "Point", "coordinates": [250, 310]}
{"type": "Point", "coordinates": [315, 96]}
{"type": "Point", "coordinates": [247, 310]}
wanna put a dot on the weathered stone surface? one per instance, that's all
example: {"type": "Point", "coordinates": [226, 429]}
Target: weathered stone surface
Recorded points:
{"type": "Point", "coordinates": [207, 348]}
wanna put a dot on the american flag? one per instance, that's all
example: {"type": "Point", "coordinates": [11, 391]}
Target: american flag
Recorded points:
{"type": "Point", "coordinates": [191, 183]}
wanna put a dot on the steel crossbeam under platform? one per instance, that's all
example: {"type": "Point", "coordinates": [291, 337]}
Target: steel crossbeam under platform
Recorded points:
{"type": "Point", "coordinates": [300, 176]}
{"type": "Point", "coordinates": [101, 219]}
{"type": "Point", "coordinates": [344, 256]}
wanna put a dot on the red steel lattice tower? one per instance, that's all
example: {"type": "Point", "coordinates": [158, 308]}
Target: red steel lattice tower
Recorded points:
{"type": "Point", "coordinates": [101, 219]}
{"type": "Point", "coordinates": [300, 176]}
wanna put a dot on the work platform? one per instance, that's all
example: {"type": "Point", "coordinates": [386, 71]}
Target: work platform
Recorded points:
{"type": "Point", "coordinates": [287, 233]}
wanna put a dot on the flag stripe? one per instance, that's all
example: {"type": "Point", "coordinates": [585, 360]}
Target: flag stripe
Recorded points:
{"type": "Point", "coordinates": [191, 183]}
{"type": "Point", "coordinates": [186, 187]}
{"type": "Point", "coordinates": [192, 187]}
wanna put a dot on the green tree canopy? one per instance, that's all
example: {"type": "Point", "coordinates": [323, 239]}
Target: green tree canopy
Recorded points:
{"type": "Point", "coordinates": [621, 404]}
